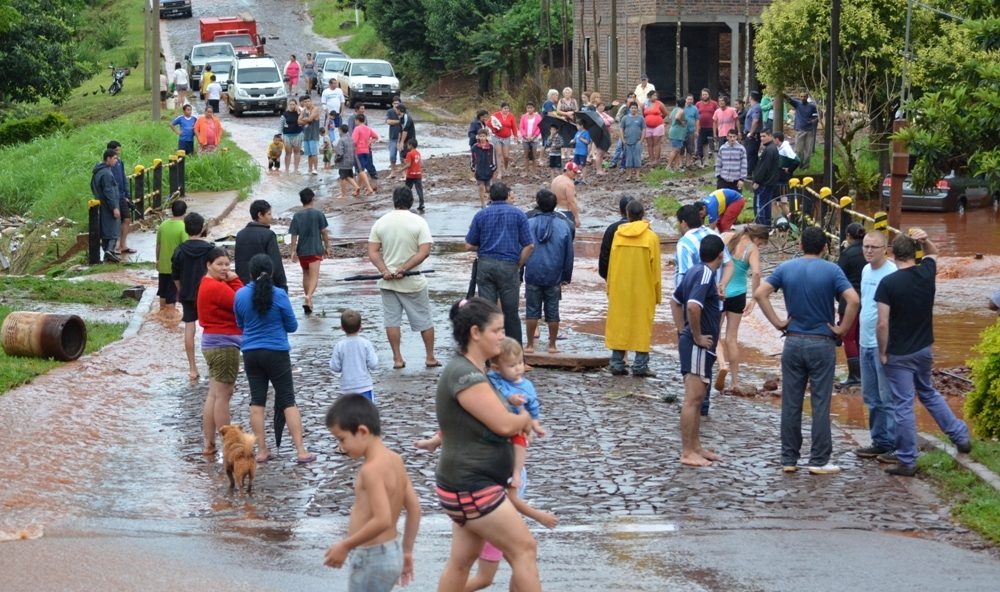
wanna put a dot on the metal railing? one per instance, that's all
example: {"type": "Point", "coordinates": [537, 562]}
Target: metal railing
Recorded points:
{"type": "Point", "coordinates": [146, 189]}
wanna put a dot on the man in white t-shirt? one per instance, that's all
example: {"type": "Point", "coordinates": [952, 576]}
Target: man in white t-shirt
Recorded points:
{"type": "Point", "coordinates": [333, 103]}
{"type": "Point", "coordinates": [213, 94]}
{"type": "Point", "coordinates": [643, 89]}
{"type": "Point", "coordinates": [399, 243]}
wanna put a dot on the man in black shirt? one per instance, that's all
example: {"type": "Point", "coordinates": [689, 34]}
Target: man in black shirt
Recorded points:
{"type": "Point", "coordinates": [905, 334]}
{"type": "Point", "coordinates": [604, 259]}
{"type": "Point", "coordinates": [257, 237]}
{"type": "Point", "coordinates": [766, 178]}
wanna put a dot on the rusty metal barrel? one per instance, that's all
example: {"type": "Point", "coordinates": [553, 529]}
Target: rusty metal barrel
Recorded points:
{"type": "Point", "coordinates": [44, 335]}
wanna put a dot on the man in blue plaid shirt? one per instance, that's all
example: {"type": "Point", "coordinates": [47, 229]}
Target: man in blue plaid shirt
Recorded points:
{"type": "Point", "coordinates": [500, 234]}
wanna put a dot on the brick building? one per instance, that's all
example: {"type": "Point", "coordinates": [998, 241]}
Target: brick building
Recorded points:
{"type": "Point", "coordinates": [713, 45]}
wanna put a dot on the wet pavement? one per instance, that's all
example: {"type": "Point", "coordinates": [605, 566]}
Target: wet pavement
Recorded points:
{"type": "Point", "coordinates": [105, 453]}
{"type": "Point", "coordinates": [102, 467]}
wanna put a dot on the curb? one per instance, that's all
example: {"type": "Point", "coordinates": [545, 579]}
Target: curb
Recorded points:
{"type": "Point", "coordinates": [966, 461]}
{"type": "Point", "coordinates": [139, 316]}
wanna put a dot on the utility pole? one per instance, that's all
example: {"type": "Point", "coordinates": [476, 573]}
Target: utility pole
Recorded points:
{"type": "Point", "coordinates": [613, 58]}
{"type": "Point", "coordinates": [677, 56]}
{"type": "Point", "coordinates": [146, 31]}
{"type": "Point", "coordinates": [153, 60]}
{"type": "Point", "coordinates": [831, 90]}
{"type": "Point", "coordinates": [565, 44]}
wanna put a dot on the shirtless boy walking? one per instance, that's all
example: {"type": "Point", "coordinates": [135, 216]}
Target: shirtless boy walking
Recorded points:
{"type": "Point", "coordinates": [381, 491]}
{"type": "Point", "coordinates": [564, 186]}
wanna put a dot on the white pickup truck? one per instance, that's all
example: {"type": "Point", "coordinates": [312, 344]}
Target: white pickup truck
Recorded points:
{"type": "Point", "coordinates": [369, 81]}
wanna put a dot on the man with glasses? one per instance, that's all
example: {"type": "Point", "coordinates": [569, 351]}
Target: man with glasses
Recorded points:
{"type": "Point", "coordinates": [875, 387]}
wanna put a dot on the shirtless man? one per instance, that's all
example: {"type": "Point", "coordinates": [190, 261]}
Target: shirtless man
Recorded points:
{"type": "Point", "coordinates": [564, 187]}
{"type": "Point", "coordinates": [381, 491]}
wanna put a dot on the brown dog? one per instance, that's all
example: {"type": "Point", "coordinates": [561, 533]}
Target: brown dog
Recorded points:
{"type": "Point", "coordinates": [237, 454]}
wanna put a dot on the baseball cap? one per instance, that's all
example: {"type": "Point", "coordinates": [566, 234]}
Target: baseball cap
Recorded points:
{"type": "Point", "coordinates": [644, 77]}
{"type": "Point", "coordinates": [572, 166]}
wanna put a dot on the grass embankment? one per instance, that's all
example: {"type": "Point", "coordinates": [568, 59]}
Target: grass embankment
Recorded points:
{"type": "Point", "coordinates": [974, 503]}
{"type": "Point", "coordinates": [364, 41]}
{"type": "Point", "coordinates": [111, 34]}
{"type": "Point", "coordinates": [50, 177]}
{"type": "Point", "coordinates": [15, 371]}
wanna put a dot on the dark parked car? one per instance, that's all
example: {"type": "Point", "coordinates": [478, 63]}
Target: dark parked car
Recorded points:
{"type": "Point", "coordinates": [180, 8]}
{"type": "Point", "coordinates": [953, 193]}
{"type": "Point", "coordinates": [320, 56]}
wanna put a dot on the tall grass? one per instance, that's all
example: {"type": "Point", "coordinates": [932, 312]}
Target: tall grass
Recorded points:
{"type": "Point", "coordinates": [365, 43]}
{"type": "Point", "coordinates": [50, 177]}
{"type": "Point", "coordinates": [327, 17]}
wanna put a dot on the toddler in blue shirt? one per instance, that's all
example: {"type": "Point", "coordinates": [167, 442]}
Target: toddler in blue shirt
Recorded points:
{"type": "Point", "coordinates": [354, 358]}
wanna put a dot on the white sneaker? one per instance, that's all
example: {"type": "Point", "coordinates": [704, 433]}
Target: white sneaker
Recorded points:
{"type": "Point", "coordinates": [827, 469]}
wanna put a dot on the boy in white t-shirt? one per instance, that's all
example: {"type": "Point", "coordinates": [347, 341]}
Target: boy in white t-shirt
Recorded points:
{"type": "Point", "coordinates": [354, 358]}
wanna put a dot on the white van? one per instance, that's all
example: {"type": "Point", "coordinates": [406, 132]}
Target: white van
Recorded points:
{"type": "Point", "coordinates": [256, 84]}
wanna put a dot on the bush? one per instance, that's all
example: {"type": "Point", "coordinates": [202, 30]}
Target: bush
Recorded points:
{"type": "Point", "coordinates": [17, 131]}
{"type": "Point", "coordinates": [982, 405]}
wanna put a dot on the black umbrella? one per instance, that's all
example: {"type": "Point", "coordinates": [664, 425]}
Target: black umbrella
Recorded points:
{"type": "Point", "coordinates": [593, 123]}
{"type": "Point", "coordinates": [565, 129]}
{"type": "Point", "coordinates": [279, 426]}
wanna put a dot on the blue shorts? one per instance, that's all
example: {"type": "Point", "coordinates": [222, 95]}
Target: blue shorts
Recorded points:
{"type": "Point", "coordinates": [676, 144]}
{"type": "Point", "coordinates": [694, 359]}
{"type": "Point", "coordinates": [364, 162]}
{"type": "Point", "coordinates": [538, 297]}
{"type": "Point", "coordinates": [580, 159]}
{"type": "Point", "coordinates": [187, 146]}
{"type": "Point", "coordinates": [310, 147]}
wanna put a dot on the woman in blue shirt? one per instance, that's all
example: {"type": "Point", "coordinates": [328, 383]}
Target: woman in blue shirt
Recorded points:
{"type": "Point", "coordinates": [265, 315]}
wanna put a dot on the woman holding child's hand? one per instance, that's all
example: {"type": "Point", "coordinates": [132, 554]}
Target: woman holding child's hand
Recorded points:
{"type": "Point", "coordinates": [477, 457]}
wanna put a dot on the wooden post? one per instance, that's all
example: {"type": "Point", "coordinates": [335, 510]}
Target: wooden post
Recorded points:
{"type": "Point", "coordinates": [900, 168]}
{"type": "Point", "coordinates": [94, 232]}
{"type": "Point", "coordinates": [157, 187]}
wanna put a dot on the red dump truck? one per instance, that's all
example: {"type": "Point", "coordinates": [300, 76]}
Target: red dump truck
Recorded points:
{"type": "Point", "coordinates": [240, 31]}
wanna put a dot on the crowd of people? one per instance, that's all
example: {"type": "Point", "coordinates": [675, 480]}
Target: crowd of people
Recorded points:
{"type": "Point", "coordinates": [487, 411]}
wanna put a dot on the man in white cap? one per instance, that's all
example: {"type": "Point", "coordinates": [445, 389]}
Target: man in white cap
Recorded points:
{"type": "Point", "coordinates": [564, 186]}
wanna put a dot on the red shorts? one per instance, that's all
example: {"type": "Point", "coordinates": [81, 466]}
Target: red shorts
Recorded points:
{"type": "Point", "coordinates": [729, 217]}
{"type": "Point", "coordinates": [305, 260]}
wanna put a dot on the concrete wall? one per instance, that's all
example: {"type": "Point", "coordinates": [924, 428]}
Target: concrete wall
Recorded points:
{"type": "Point", "coordinates": [646, 42]}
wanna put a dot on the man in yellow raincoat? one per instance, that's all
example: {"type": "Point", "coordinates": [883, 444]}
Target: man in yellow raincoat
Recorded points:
{"type": "Point", "coordinates": [633, 292]}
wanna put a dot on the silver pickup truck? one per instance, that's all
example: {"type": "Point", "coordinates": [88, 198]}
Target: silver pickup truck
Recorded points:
{"type": "Point", "coordinates": [204, 53]}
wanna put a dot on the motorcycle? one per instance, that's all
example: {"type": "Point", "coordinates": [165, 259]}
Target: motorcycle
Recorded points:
{"type": "Point", "coordinates": [118, 75]}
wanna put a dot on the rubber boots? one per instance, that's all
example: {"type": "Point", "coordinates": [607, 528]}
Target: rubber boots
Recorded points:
{"type": "Point", "coordinates": [853, 374]}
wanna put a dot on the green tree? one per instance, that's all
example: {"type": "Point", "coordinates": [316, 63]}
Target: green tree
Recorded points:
{"type": "Point", "coordinates": [953, 124]}
{"type": "Point", "coordinates": [510, 42]}
{"type": "Point", "coordinates": [400, 25]}
{"type": "Point", "coordinates": [793, 52]}
{"type": "Point", "coordinates": [38, 56]}
{"type": "Point", "coordinates": [451, 22]}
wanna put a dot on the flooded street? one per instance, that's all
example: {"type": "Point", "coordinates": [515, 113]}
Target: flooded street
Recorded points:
{"type": "Point", "coordinates": [102, 457]}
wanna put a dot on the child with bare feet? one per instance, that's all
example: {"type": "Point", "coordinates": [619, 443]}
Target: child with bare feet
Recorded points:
{"type": "Point", "coordinates": [382, 490]}
{"type": "Point", "coordinates": [169, 236]}
{"type": "Point", "coordinates": [697, 311]}
{"type": "Point", "coordinates": [548, 269]}
{"type": "Point", "coordinates": [310, 243]}
{"type": "Point", "coordinates": [188, 265]}
{"type": "Point", "coordinates": [345, 160]}
{"type": "Point", "coordinates": [354, 358]}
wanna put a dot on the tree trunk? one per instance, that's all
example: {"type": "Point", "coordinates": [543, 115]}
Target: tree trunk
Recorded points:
{"type": "Point", "coordinates": [567, 79]}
